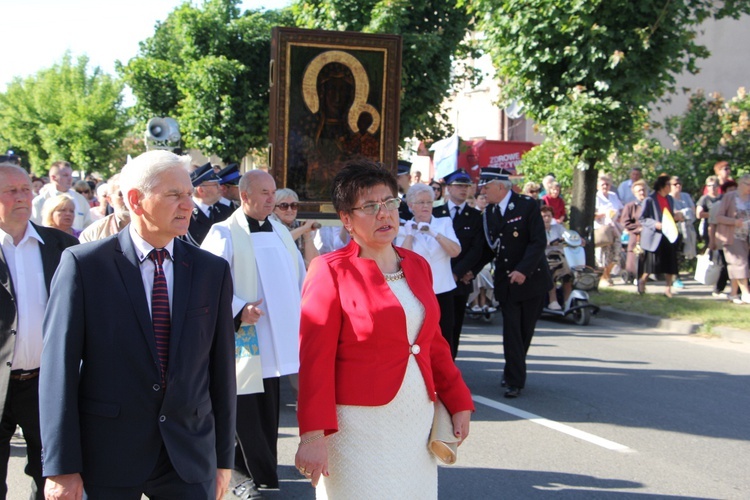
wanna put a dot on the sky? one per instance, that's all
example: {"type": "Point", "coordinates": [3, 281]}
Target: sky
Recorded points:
{"type": "Point", "coordinates": [36, 33]}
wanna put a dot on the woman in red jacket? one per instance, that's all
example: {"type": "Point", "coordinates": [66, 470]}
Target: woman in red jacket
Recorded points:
{"type": "Point", "coordinates": [371, 355]}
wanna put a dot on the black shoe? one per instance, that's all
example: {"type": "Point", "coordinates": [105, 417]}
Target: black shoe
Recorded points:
{"type": "Point", "coordinates": [512, 392]}
{"type": "Point", "coordinates": [247, 490]}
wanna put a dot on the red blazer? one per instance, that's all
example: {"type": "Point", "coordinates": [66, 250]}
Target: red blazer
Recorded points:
{"type": "Point", "coordinates": [353, 343]}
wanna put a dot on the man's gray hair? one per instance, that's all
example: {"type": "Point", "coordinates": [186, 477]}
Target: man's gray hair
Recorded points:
{"type": "Point", "coordinates": [505, 182]}
{"type": "Point", "coordinates": [416, 190]}
{"type": "Point", "coordinates": [7, 167]}
{"type": "Point", "coordinates": [142, 172]}
{"type": "Point", "coordinates": [246, 181]}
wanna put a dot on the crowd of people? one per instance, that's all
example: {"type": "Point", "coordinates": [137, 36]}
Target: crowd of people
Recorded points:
{"type": "Point", "coordinates": [154, 350]}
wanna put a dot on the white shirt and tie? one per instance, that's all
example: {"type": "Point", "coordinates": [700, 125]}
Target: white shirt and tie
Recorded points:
{"type": "Point", "coordinates": [454, 209]}
{"type": "Point", "coordinates": [25, 265]}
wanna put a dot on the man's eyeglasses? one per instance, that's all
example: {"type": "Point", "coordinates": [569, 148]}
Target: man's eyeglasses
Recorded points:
{"type": "Point", "coordinates": [374, 207]}
{"type": "Point", "coordinates": [287, 206]}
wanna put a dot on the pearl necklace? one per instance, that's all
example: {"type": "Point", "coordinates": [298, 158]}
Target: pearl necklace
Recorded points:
{"type": "Point", "coordinates": [394, 276]}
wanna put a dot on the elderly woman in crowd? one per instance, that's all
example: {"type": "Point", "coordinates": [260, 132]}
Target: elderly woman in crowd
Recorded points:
{"type": "Point", "coordinates": [661, 254]}
{"type": "Point", "coordinates": [606, 230]}
{"type": "Point", "coordinates": [732, 229]}
{"type": "Point", "coordinates": [59, 212]}
{"type": "Point", "coordinates": [684, 204]}
{"type": "Point", "coordinates": [558, 266]}
{"type": "Point", "coordinates": [630, 221]}
{"type": "Point", "coordinates": [554, 200]}
{"type": "Point", "coordinates": [371, 355]}
{"type": "Point", "coordinates": [287, 204]}
{"type": "Point", "coordinates": [434, 239]}
{"type": "Point", "coordinates": [531, 189]}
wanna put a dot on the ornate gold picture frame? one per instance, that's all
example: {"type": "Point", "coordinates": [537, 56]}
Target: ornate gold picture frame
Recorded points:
{"type": "Point", "coordinates": [334, 97]}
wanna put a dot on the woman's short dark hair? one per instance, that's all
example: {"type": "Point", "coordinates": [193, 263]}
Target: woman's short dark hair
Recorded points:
{"type": "Point", "coordinates": [661, 182]}
{"type": "Point", "coordinates": [357, 176]}
{"type": "Point", "coordinates": [546, 208]}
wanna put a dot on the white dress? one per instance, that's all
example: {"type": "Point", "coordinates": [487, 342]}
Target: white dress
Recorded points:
{"type": "Point", "coordinates": [381, 451]}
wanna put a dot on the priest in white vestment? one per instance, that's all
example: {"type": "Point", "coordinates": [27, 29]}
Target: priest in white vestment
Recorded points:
{"type": "Point", "coordinates": [268, 271]}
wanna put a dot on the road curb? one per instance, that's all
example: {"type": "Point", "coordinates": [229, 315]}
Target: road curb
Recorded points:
{"type": "Point", "coordinates": [670, 325]}
{"type": "Point", "coordinates": [732, 334]}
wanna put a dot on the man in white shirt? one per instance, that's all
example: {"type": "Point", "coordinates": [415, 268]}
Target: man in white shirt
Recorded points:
{"type": "Point", "coordinates": [268, 271]}
{"type": "Point", "coordinates": [61, 180]}
{"type": "Point", "coordinates": [28, 260]}
{"type": "Point", "coordinates": [623, 191]}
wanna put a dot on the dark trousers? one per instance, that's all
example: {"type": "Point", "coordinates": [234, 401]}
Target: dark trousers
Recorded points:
{"type": "Point", "coordinates": [257, 434]}
{"type": "Point", "coordinates": [445, 301]}
{"type": "Point", "coordinates": [163, 484]}
{"type": "Point", "coordinates": [519, 321]}
{"type": "Point", "coordinates": [459, 311]}
{"type": "Point", "coordinates": [22, 409]}
{"type": "Point", "coordinates": [723, 275]}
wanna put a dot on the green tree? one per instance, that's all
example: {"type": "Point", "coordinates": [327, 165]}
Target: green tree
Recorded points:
{"type": "Point", "coordinates": [434, 37]}
{"type": "Point", "coordinates": [65, 112]}
{"type": "Point", "coordinates": [587, 70]}
{"type": "Point", "coordinates": [207, 67]}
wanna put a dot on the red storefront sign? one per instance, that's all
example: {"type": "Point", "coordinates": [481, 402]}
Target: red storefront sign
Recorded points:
{"type": "Point", "coordinates": [486, 153]}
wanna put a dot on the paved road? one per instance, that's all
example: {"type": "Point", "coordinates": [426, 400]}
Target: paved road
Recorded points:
{"type": "Point", "coordinates": [610, 410]}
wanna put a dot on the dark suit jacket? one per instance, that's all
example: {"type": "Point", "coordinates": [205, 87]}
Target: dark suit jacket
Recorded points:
{"type": "Point", "coordinates": [55, 241]}
{"type": "Point", "coordinates": [651, 214]}
{"type": "Point", "coordinates": [200, 223]}
{"type": "Point", "coordinates": [522, 244]}
{"type": "Point", "coordinates": [468, 228]}
{"type": "Point", "coordinates": [103, 410]}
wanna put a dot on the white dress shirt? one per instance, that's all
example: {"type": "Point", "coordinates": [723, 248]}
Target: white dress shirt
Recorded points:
{"type": "Point", "coordinates": [142, 249]}
{"type": "Point", "coordinates": [25, 265]}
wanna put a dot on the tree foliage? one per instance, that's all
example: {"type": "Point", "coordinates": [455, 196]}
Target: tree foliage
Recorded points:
{"type": "Point", "coordinates": [587, 70]}
{"type": "Point", "coordinates": [207, 67]}
{"type": "Point", "coordinates": [65, 112]}
{"type": "Point", "coordinates": [434, 37]}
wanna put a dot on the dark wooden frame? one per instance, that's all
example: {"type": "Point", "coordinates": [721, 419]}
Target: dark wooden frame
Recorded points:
{"type": "Point", "coordinates": [298, 56]}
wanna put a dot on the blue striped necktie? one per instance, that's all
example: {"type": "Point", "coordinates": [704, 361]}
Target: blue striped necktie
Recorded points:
{"type": "Point", "coordinates": [160, 310]}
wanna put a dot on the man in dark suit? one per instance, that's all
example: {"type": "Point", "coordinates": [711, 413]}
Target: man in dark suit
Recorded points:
{"type": "Point", "coordinates": [515, 238]}
{"type": "Point", "coordinates": [229, 185]}
{"type": "Point", "coordinates": [207, 208]}
{"type": "Point", "coordinates": [403, 176]}
{"type": "Point", "coordinates": [26, 251]}
{"type": "Point", "coordinates": [467, 224]}
{"type": "Point", "coordinates": [137, 387]}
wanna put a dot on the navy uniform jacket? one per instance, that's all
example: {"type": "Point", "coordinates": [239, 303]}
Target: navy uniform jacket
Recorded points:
{"type": "Point", "coordinates": [520, 242]}
{"type": "Point", "coordinates": [468, 228]}
{"type": "Point", "coordinates": [200, 223]}
{"type": "Point", "coordinates": [55, 241]}
{"type": "Point", "coordinates": [104, 412]}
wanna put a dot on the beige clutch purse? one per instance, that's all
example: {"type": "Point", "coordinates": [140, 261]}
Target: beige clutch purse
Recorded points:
{"type": "Point", "coordinates": [443, 442]}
